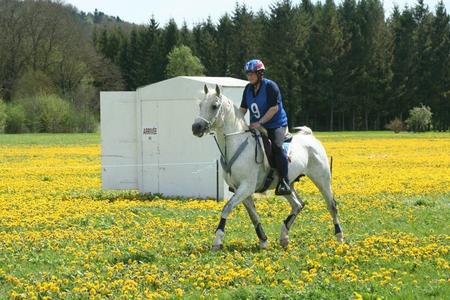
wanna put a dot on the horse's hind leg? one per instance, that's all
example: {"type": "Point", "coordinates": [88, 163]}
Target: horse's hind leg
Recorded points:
{"type": "Point", "coordinates": [251, 209]}
{"type": "Point", "coordinates": [323, 183]}
{"type": "Point", "coordinates": [296, 206]}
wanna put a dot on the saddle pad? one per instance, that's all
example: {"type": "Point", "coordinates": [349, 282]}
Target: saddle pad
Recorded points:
{"type": "Point", "coordinates": [286, 147]}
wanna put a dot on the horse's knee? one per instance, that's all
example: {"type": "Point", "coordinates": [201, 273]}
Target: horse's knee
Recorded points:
{"type": "Point", "coordinates": [332, 207]}
{"type": "Point", "coordinates": [235, 200]}
{"type": "Point", "coordinates": [226, 210]}
{"type": "Point", "coordinates": [297, 208]}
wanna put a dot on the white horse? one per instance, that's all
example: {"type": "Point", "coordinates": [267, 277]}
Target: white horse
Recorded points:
{"type": "Point", "coordinates": [247, 175]}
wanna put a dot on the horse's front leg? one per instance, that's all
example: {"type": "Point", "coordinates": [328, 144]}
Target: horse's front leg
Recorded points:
{"type": "Point", "coordinates": [241, 194]}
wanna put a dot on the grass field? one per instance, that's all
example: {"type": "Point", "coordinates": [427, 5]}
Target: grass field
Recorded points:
{"type": "Point", "coordinates": [62, 237]}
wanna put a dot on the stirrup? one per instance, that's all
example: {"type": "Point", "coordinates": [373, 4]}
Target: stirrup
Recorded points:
{"type": "Point", "coordinates": [283, 188]}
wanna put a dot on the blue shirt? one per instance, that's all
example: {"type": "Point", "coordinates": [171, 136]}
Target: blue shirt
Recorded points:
{"type": "Point", "coordinates": [268, 95]}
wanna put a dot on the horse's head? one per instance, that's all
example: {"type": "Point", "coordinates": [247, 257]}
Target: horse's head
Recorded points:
{"type": "Point", "coordinates": [211, 112]}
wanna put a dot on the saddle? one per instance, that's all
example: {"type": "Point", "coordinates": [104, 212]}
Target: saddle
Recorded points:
{"type": "Point", "coordinates": [267, 143]}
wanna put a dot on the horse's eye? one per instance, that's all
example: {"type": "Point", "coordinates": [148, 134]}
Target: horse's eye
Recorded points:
{"type": "Point", "coordinates": [215, 106]}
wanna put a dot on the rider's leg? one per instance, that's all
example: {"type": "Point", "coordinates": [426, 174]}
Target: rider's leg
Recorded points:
{"type": "Point", "coordinates": [277, 137]}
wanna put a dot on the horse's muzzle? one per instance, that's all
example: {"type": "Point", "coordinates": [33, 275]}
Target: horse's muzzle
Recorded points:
{"type": "Point", "coordinates": [199, 127]}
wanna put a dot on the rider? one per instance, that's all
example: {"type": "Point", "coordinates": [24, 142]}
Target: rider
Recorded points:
{"type": "Point", "coordinates": [266, 109]}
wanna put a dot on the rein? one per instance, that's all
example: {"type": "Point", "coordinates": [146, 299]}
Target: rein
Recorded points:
{"type": "Point", "coordinates": [226, 165]}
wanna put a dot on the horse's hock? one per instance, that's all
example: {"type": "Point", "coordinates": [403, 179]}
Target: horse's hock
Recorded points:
{"type": "Point", "coordinates": [147, 143]}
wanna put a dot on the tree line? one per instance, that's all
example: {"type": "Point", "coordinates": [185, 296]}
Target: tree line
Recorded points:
{"type": "Point", "coordinates": [339, 67]}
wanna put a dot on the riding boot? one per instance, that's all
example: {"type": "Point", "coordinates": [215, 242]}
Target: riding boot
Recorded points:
{"type": "Point", "coordinates": [283, 188]}
{"type": "Point", "coordinates": [277, 137]}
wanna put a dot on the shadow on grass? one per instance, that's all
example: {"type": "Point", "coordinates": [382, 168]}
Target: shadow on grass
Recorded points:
{"type": "Point", "coordinates": [128, 258]}
{"type": "Point", "coordinates": [115, 195]}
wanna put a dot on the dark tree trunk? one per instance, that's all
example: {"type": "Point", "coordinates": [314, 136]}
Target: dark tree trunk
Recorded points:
{"type": "Point", "coordinates": [353, 119]}
{"type": "Point", "coordinates": [366, 119]}
{"type": "Point", "coordinates": [331, 116]}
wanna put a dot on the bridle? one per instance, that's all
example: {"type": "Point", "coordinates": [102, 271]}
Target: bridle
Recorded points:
{"type": "Point", "coordinates": [213, 120]}
{"type": "Point", "coordinates": [210, 123]}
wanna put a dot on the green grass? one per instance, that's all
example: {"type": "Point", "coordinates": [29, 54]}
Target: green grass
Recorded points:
{"type": "Point", "coordinates": [49, 139]}
{"type": "Point", "coordinates": [349, 135]}
{"type": "Point", "coordinates": [94, 138]}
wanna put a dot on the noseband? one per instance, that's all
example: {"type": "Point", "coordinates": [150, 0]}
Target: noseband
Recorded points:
{"type": "Point", "coordinates": [211, 122]}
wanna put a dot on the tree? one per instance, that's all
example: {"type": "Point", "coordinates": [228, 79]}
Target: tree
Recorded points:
{"type": "Point", "coordinates": [348, 66]}
{"type": "Point", "coordinates": [421, 76]}
{"type": "Point", "coordinates": [245, 41]}
{"type": "Point", "coordinates": [181, 62]}
{"type": "Point", "coordinates": [186, 36]}
{"type": "Point", "coordinates": [12, 47]}
{"type": "Point", "coordinates": [285, 35]}
{"type": "Point", "coordinates": [125, 64]}
{"type": "Point", "coordinates": [205, 41]}
{"type": "Point", "coordinates": [440, 68]}
{"type": "Point", "coordinates": [150, 68]}
{"type": "Point", "coordinates": [224, 35]}
{"type": "Point", "coordinates": [133, 59]}
{"type": "Point", "coordinates": [402, 26]}
{"type": "Point", "coordinates": [327, 49]}
{"type": "Point", "coordinates": [170, 40]}
{"type": "Point", "coordinates": [372, 69]}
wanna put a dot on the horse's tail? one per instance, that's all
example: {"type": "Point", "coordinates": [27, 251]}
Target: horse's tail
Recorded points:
{"type": "Point", "coordinates": [304, 130]}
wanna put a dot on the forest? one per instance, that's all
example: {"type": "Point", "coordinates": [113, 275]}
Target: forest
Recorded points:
{"type": "Point", "coordinates": [340, 66]}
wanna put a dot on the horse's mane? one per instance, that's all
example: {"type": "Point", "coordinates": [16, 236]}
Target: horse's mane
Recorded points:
{"type": "Point", "coordinates": [237, 111]}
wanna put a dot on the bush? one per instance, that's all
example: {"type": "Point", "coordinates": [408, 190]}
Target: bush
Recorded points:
{"type": "Point", "coordinates": [33, 111]}
{"type": "Point", "coordinates": [15, 120]}
{"type": "Point", "coordinates": [396, 125]}
{"type": "Point", "coordinates": [419, 118]}
{"type": "Point", "coordinates": [47, 113]}
{"type": "Point", "coordinates": [2, 116]}
{"type": "Point", "coordinates": [84, 122]}
{"type": "Point", "coordinates": [50, 113]}
{"type": "Point", "coordinates": [55, 114]}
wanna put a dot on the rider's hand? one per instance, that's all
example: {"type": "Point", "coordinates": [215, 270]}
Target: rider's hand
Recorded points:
{"type": "Point", "coordinates": [255, 125]}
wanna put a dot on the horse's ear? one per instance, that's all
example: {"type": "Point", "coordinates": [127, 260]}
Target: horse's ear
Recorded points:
{"type": "Point", "coordinates": [206, 89]}
{"type": "Point", "coordinates": [217, 90]}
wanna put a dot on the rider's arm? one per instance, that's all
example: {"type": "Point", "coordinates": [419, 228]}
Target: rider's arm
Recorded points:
{"type": "Point", "coordinates": [244, 107]}
{"type": "Point", "coordinates": [269, 114]}
{"type": "Point", "coordinates": [272, 99]}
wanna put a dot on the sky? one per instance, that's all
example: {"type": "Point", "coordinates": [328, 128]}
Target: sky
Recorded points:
{"type": "Point", "coordinates": [195, 11]}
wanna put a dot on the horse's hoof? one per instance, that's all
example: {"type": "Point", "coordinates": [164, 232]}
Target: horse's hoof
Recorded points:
{"type": "Point", "coordinates": [264, 244]}
{"type": "Point", "coordinates": [217, 247]}
{"type": "Point", "coordinates": [284, 242]}
{"type": "Point", "coordinates": [340, 238]}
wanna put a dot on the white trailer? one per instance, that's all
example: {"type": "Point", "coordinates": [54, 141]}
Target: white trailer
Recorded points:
{"type": "Point", "coordinates": [147, 143]}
